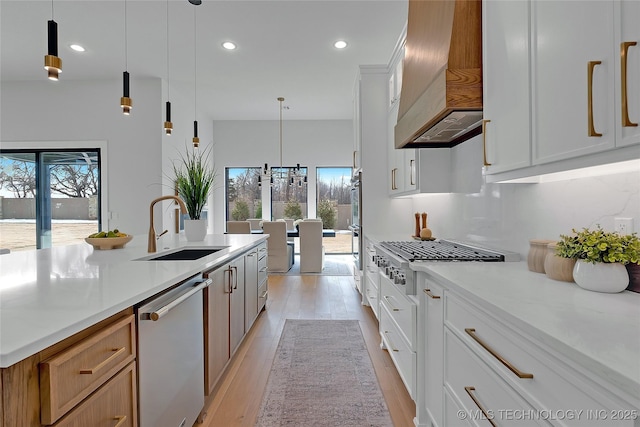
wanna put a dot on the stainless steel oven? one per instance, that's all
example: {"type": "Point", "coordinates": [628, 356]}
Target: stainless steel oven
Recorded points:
{"type": "Point", "coordinates": [356, 217]}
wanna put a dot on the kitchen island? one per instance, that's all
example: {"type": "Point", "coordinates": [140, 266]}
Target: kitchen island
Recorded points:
{"type": "Point", "coordinates": [50, 294]}
{"type": "Point", "coordinates": [70, 340]}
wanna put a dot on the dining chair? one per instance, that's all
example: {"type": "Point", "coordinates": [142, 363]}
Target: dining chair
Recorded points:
{"type": "Point", "coordinates": [238, 227]}
{"type": "Point", "coordinates": [311, 249]}
{"type": "Point", "coordinates": [279, 253]}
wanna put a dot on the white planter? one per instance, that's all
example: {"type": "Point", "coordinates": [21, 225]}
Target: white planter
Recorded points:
{"type": "Point", "coordinates": [195, 229]}
{"type": "Point", "coordinates": [601, 276]}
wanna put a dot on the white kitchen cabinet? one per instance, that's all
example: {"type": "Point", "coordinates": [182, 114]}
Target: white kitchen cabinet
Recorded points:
{"type": "Point", "coordinates": [628, 33]}
{"type": "Point", "coordinates": [573, 115]}
{"type": "Point", "coordinates": [477, 359]}
{"type": "Point", "coordinates": [398, 330]}
{"type": "Point", "coordinates": [429, 401]}
{"type": "Point", "coordinates": [506, 49]}
{"type": "Point", "coordinates": [357, 132]}
{"type": "Point", "coordinates": [216, 325]}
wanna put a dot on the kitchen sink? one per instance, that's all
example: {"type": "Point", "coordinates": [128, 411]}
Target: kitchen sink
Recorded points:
{"type": "Point", "coordinates": [187, 254]}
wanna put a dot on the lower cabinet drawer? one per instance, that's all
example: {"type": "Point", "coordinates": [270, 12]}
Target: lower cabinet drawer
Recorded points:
{"type": "Point", "coordinates": [482, 393]}
{"type": "Point", "coordinates": [263, 293]}
{"type": "Point", "coordinates": [402, 309]}
{"type": "Point", "coordinates": [71, 375]}
{"type": "Point", "coordinates": [113, 405]}
{"type": "Point", "coordinates": [372, 298]}
{"type": "Point", "coordinates": [404, 358]}
{"type": "Point", "coordinates": [542, 378]}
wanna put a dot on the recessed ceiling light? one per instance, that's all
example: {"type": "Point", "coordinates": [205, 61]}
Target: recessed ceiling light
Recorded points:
{"type": "Point", "coordinates": [77, 47]}
{"type": "Point", "coordinates": [340, 44]}
{"type": "Point", "coordinates": [229, 45]}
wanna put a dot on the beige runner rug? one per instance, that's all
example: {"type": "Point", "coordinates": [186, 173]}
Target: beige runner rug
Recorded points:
{"type": "Point", "coordinates": [322, 375]}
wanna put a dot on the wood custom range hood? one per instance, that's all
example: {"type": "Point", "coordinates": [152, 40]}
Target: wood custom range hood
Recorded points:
{"type": "Point", "coordinates": [441, 95]}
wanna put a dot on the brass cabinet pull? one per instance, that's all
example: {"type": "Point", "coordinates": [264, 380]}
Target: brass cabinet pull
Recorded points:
{"type": "Point", "coordinates": [386, 298]}
{"type": "Point", "coordinates": [264, 296]}
{"type": "Point", "coordinates": [235, 275]}
{"type": "Point", "coordinates": [624, 49]}
{"type": "Point", "coordinates": [428, 292]}
{"type": "Point", "coordinates": [393, 179]}
{"type": "Point", "coordinates": [519, 373]}
{"type": "Point", "coordinates": [484, 142]}
{"type": "Point", "coordinates": [590, 66]}
{"type": "Point", "coordinates": [393, 348]}
{"type": "Point", "coordinates": [412, 171]}
{"type": "Point", "coordinates": [117, 352]}
{"type": "Point", "coordinates": [469, 389]}
{"type": "Point", "coordinates": [120, 419]}
{"type": "Point", "coordinates": [354, 158]}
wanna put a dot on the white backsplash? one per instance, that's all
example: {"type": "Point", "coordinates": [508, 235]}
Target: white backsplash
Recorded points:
{"type": "Point", "coordinates": [507, 216]}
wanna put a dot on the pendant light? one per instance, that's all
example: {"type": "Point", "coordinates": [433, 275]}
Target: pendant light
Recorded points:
{"type": "Point", "coordinates": [168, 126]}
{"type": "Point", "coordinates": [52, 63]}
{"type": "Point", "coordinates": [125, 100]}
{"type": "Point", "coordinates": [196, 140]}
{"type": "Point", "coordinates": [296, 176]}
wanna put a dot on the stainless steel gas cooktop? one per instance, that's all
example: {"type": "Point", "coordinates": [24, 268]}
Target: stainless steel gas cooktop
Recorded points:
{"type": "Point", "coordinates": [441, 250]}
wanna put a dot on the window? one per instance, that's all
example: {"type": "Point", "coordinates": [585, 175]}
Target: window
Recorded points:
{"type": "Point", "coordinates": [48, 197]}
{"type": "Point", "coordinates": [333, 206]}
{"type": "Point", "coordinates": [243, 193]}
{"type": "Point", "coordinates": [288, 193]}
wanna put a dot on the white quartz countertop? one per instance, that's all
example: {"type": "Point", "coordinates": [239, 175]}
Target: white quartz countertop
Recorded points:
{"type": "Point", "coordinates": [598, 331]}
{"type": "Point", "coordinates": [48, 295]}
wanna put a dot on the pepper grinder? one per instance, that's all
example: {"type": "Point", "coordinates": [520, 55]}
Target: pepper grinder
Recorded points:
{"type": "Point", "coordinates": [417, 233]}
{"type": "Point", "coordinates": [424, 220]}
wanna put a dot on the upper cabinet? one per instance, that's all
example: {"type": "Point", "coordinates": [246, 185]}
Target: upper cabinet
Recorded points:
{"type": "Point", "coordinates": [506, 94]}
{"type": "Point", "coordinates": [627, 37]}
{"type": "Point", "coordinates": [561, 85]}
{"type": "Point", "coordinates": [573, 79]}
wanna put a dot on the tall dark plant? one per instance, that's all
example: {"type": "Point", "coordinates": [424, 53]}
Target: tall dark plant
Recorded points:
{"type": "Point", "coordinates": [194, 175]}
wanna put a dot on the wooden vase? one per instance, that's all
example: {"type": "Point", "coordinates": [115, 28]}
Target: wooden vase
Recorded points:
{"type": "Point", "coordinates": [558, 268]}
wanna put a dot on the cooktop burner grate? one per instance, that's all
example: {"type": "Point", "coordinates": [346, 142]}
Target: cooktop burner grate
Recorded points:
{"type": "Point", "coordinates": [440, 250]}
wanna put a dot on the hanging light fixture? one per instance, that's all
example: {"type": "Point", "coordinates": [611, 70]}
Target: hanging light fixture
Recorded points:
{"type": "Point", "coordinates": [52, 63]}
{"type": "Point", "coordinates": [196, 140]}
{"type": "Point", "coordinates": [125, 100]}
{"type": "Point", "coordinates": [295, 175]}
{"type": "Point", "coordinates": [168, 126]}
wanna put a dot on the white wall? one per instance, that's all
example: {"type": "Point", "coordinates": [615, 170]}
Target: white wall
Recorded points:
{"type": "Point", "coordinates": [83, 111]}
{"type": "Point", "coordinates": [312, 143]}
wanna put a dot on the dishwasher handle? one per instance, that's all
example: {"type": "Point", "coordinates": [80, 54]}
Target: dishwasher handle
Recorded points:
{"type": "Point", "coordinates": [157, 314]}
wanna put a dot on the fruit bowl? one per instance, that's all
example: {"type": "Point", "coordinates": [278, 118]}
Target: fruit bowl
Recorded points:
{"type": "Point", "coordinates": [105, 243]}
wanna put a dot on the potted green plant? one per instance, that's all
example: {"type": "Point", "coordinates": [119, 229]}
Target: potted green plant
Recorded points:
{"type": "Point", "coordinates": [194, 175]}
{"type": "Point", "coordinates": [600, 257]}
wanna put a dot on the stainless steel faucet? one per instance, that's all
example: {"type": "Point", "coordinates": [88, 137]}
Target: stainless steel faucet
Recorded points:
{"type": "Point", "coordinates": [152, 231]}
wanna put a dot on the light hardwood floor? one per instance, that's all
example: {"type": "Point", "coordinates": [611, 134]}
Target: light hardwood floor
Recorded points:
{"type": "Point", "coordinates": [237, 398]}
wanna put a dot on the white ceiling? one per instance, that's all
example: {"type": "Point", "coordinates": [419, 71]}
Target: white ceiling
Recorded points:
{"type": "Point", "coordinates": [285, 48]}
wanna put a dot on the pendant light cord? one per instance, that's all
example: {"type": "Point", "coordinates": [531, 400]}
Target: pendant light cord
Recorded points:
{"type": "Point", "coordinates": [195, 66]}
{"type": "Point", "coordinates": [280, 99]}
{"type": "Point", "coordinates": [168, 88]}
{"type": "Point", "coordinates": [126, 53]}
{"type": "Point", "coordinates": [52, 10]}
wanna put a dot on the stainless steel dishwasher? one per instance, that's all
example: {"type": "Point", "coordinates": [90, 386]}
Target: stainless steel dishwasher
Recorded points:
{"type": "Point", "coordinates": [171, 356]}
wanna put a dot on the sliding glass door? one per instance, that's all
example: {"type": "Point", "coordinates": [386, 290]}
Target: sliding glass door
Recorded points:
{"type": "Point", "coordinates": [48, 197]}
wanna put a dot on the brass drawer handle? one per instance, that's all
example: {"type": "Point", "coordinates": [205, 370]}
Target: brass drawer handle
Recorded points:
{"type": "Point", "coordinates": [264, 296]}
{"type": "Point", "coordinates": [519, 373]}
{"type": "Point", "coordinates": [387, 299]}
{"type": "Point", "coordinates": [428, 292]}
{"type": "Point", "coordinates": [469, 389]}
{"type": "Point", "coordinates": [121, 420]}
{"type": "Point", "coordinates": [590, 66]}
{"type": "Point", "coordinates": [393, 348]}
{"type": "Point", "coordinates": [118, 352]}
{"type": "Point", "coordinates": [624, 49]}
{"type": "Point", "coordinates": [484, 142]}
